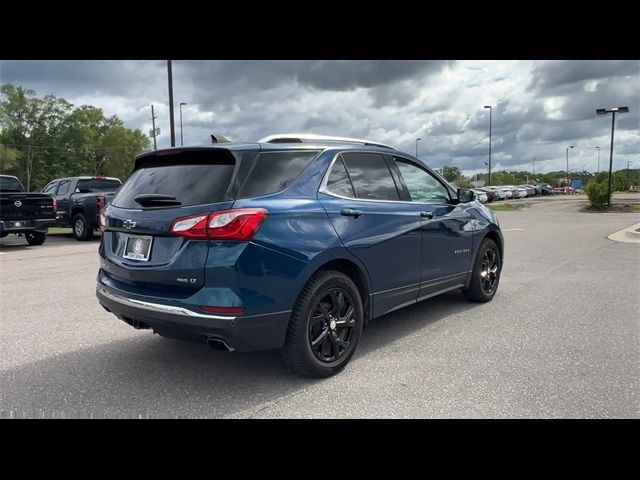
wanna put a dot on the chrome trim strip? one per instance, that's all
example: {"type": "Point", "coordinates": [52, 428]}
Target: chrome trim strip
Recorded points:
{"type": "Point", "coordinates": [157, 307]}
{"type": "Point", "coordinates": [325, 179]}
{"type": "Point", "coordinates": [396, 288]}
{"type": "Point", "coordinates": [430, 283]}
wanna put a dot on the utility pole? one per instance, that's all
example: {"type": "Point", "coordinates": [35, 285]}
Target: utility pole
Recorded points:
{"type": "Point", "coordinates": [153, 124]}
{"type": "Point", "coordinates": [170, 76]}
{"type": "Point", "coordinates": [598, 171]}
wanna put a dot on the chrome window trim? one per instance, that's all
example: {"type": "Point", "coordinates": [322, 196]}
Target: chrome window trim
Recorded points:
{"type": "Point", "coordinates": [325, 179]}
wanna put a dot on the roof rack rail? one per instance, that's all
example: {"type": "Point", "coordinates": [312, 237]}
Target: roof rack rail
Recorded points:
{"type": "Point", "coordinates": [311, 137]}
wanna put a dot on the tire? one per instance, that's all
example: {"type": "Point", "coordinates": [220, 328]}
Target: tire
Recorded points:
{"type": "Point", "coordinates": [82, 231]}
{"type": "Point", "coordinates": [483, 286]}
{"type": "Point", "coordinates": [321, 295]}
{"type": "Point", "coordinates": [36, 238]}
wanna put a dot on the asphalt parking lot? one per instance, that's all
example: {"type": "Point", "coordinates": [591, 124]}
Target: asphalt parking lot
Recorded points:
{"type": "Point", "coordinates": [560, 339]}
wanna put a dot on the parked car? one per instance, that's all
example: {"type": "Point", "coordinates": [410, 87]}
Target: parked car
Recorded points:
{"type": "Point", "coordinates": [22, 213]}
{"type": "Point", "coordinates": [491, 194]}
{"type": "Point", "coordinates": [517, 192]}
{"type": "Point", "coordinates": [291, 243]}
{"type": "Point", "coordinates": [501, 193]}
{"type": "Point", "coordinates": [80, 200]}
{"type": "Point", "coordinates": [480, 195]}
{"type": "Point", "coordinates": [545, 189]}
{"type": "Point", "coordinates": [530, 191]}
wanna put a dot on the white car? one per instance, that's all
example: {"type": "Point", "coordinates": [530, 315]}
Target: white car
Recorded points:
{"type": "Point", "coordinates": [480, 195]}
{"type": "Point", "coordinates": [518, 192]}
{"type": "Point", "coordinates": [502, 193]}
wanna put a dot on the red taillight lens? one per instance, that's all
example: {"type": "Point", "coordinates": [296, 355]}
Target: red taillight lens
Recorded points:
{"type": "Point", "coordinates": [100, 203]}
{"type": "Point", "coordinates": [55, 204]}
{"type": "Point", "coordinates": [223, 310]}
{"type": "Point", "coordinates": [240, 224]}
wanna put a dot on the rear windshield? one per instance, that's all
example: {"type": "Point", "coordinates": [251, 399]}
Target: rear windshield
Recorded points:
{"type": "Point", "coordinates": [10, 184]}
{"type": "Point", "coordinates": [88, 185]}
{"type": "Point", "coordinates": [190, 178]}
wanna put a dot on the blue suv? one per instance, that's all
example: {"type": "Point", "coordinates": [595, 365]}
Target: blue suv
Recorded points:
{"type": "Point", "coordinates": [291, 243]}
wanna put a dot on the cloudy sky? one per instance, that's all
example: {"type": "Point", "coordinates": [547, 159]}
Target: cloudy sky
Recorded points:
{"type": "Point", "coordinates": [539, 107]}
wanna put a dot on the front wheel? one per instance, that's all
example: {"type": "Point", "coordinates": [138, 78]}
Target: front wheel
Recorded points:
{"type": "Point", "coordinates": [36, 238]}
{"type": "Point", "coordinates": [325, 326]}
{"type": "Point", "coordinates": [486, 273]}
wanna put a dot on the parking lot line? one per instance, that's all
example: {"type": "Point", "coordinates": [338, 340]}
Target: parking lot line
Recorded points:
{"type": "Point", "coordinates": [512, 229]}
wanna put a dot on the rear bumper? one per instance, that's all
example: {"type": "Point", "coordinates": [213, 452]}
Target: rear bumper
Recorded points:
{"type": "Point", "coordinates": [40, 224]}
{"type": "Point", "coordinates": [241, 333]}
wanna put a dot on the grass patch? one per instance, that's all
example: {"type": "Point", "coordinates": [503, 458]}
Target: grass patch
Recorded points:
{"type": "Point", "coordinates": [503, 207]}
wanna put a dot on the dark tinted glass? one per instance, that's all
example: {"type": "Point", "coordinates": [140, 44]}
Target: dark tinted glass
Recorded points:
{"type": "Point", "coordinates": [275, 171]}
{"type": "Point", "coordinates": [370, 176]}
{"type": "Point", "coordinates": [338, 181]}
{"type": "Point", "coordinates": [423, 187]}
{"type": "Point", "coordinates": [63, 187]}
{"type": "Point", "coordinates": [202, 178]}
{"type": "Point", "coordinates": [97, 185]}
{"type": "Point", "coordinates": [9, 184]}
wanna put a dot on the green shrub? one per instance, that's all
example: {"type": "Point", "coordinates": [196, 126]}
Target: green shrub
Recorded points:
{"type": "Point", "coordinates": [597, 193]}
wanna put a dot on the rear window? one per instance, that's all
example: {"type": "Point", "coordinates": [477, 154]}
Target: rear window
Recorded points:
{"type": "Point", "coordinates": [275, 171]}
{"type": "Point", "coordinates": [89, 185]}
{"type": "Point", "coordinates": [193, 178]}
{"type": "Point", "coordinates": [10, 184]}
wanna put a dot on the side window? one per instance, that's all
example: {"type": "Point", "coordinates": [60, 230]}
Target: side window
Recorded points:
{"type": "Point", "coordinates": [370, 176]}
{"type": "Point", "coordinates": [338, 181]}
{"type": "Point", "coordinates": [50, 189]}
{"type": "Point", "coordinates": [63, 188]}
{"type": "Point", "coordinates": [275, 171]}
{"type": "Point", "coordinates": [422, 186]}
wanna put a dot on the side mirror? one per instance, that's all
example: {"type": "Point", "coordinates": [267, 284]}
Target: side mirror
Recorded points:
{"type": "Point", "coordinates": [465, 195]}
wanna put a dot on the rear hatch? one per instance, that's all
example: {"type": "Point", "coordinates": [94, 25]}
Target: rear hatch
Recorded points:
{"type": "Point", "coordinates": [26, 207]}
{"type": "Point", "coordinates": [137, 248]}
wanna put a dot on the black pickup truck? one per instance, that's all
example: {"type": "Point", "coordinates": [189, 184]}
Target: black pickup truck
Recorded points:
{"type": "Point", "coordinates": [80, 200]}
{"type": "Point", "coordinates": [22, 213]}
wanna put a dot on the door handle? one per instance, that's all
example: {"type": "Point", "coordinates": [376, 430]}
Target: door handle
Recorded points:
{"type": "Point", "coordinates": [428, 215]}
{"type": "Point", "coordinates": [351, 212]}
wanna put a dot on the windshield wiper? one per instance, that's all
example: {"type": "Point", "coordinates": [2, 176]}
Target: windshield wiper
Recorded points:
{"type": "Point", "coordinates": [157, 198]}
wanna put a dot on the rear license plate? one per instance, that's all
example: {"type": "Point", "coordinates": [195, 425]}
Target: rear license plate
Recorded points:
{"type": "Point", "coordinates": [138, 248]}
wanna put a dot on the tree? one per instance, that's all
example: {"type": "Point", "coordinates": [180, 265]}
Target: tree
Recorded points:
{"type": "Point", "coordinates": [30, 124]}
{"type": "Point", "coordinates": [450, 173]}
{"type": "Point", "coordinates": [46, 138]}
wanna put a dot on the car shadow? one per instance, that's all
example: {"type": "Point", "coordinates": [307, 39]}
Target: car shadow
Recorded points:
{"type": "Point", "coordinates": [147, 375]}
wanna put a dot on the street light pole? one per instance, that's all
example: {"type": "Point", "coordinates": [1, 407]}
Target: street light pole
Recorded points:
{"type": "Point", "coordinates": [604, 111]}
{"type": "Point", "coordinates": [181, 141]}
{"type": "Point", "coordinates": [570, 146]}
{"type": "Point", "coordinates": [489, 175]}
{"type": "Point", "coordinates": [598, 171]}
{"type": "Point", "coordinates": [170, 80]}
{"type": "Point", "coordinates": [417, 139]}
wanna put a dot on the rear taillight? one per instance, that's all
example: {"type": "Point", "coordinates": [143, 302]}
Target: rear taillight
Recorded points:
{"type": "Point", "coordinates": [102, 220]}
{"type": "Point", "coordinates": [100, 203]}
{"type": "Point", "coordinates": [239, 224]}
{"type": "Point", "coordinates": [55, 204]}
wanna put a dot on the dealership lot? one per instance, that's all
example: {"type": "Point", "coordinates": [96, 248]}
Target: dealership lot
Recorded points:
{"type": "Point", "coordinates": [560, 339]}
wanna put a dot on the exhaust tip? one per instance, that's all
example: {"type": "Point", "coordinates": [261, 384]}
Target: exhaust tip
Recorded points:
{"type": "Point", "coordinates": [218, 344]}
